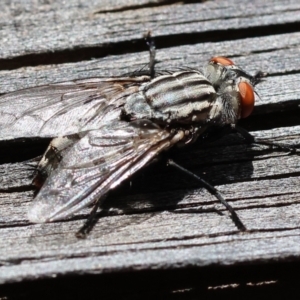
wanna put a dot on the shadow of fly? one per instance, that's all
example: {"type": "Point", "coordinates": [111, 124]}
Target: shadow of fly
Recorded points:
{"type": "Point", "coordinates": [106, 129]}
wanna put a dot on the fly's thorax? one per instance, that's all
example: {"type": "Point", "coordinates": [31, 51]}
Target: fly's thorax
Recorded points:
{"type": "Point", "coordinates": [214, 74]}
{"type": "Point", "coordinates": [227, 107]}
{"type": "Point", "coordinates": [235, 101]}
{"type": "Point", "coordinates": [181, 97]}
{"type": "Point", "coordinates": [220, 70]}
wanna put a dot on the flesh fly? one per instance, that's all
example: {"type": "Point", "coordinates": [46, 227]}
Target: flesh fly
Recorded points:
{"type": "Point", "coordinates": [106, 129]}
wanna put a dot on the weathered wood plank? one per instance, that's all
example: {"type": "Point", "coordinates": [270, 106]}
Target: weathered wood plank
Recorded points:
{"type": "Point", "coordinates": [75, 26]}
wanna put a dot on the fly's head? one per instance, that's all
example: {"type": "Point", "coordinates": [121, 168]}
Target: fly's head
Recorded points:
{"type": "Point", "coordinates": [234, 86]}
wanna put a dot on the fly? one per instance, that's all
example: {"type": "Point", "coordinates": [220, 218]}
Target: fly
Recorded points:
{"type": "Point", "coordinates": [106, 129]}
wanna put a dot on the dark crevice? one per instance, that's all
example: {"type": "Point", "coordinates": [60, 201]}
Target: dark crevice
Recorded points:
{"type": "Point", "coordinates": [275, 230]}
{"type": "Point", "coordinates": [261, 206]}
{"type": "Point", "coordinates": [180, 282]}
{"type": "Point", "coordinates": [283, 115]}
{"type": "Point", "coordinates": [81, 53]}
{"type": "Point", "coordinates": [271, 50]}
{"type": "Point", "coordinates": [147, 5]}
{"type": "Point", "coordinates": [255, 15]}
{"type": "Point", "coordinates": [13, 225]}
{"type": "Point", "coordinates": [273, 177]}
{"type": "Point", "coordinates": [20, 150]}
{"type": "Point", "coordinates": [19, 189]}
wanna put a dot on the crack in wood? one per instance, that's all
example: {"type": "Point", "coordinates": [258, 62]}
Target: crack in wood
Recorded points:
{"type": "Point", "coordinates": [82, 53]}
{"type": "Point", "coordinates": [148, 5]}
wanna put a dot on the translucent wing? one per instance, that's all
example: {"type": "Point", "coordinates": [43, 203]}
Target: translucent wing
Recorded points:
{"type": "Point", "coordinates": [63, 108]}
{"type": "Point", "coordinates": [98, 162]}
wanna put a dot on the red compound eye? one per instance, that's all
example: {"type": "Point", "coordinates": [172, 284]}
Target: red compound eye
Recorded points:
{"type": "Point", "coordinates": [247, 98]}
{"type": "Point", "coordinates": [224, 61]}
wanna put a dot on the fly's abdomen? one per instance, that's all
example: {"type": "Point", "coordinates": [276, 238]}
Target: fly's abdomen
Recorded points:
{"type": "Point", "coordinates": [182, 97]}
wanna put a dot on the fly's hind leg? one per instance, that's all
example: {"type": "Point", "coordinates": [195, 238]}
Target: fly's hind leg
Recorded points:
{"type": "Point", "coordinates": [235, 218]}
{"type": "Point", "coordinates": [152, 52]}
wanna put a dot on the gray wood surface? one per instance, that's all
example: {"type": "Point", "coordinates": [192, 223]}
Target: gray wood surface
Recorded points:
{"type": "Point", "coordinates": [160, 219]}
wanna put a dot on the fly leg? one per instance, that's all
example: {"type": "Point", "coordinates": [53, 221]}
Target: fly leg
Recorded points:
{"type": "Point", "coordinates": [152, 52]}
{"type": "Point", "coordinates": [91, 220]}
{"type": "Point", "coordinates": [237, 221]}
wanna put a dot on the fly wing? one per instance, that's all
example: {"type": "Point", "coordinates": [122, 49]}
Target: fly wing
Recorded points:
{"type": "Point", "coordinates": [98, 162]}
{"type": "Point", "coordinates": [64, 108]}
